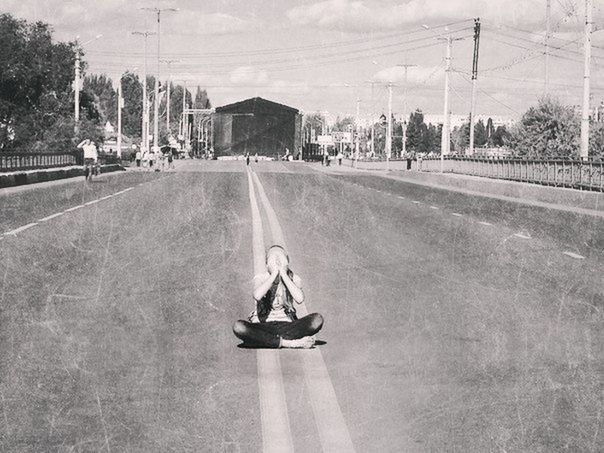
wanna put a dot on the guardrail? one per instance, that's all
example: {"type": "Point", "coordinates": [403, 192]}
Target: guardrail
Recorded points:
{"type": "Point", "coordinates": [576, 174]}
{"type": "Point", "coordinates": [35, 161]}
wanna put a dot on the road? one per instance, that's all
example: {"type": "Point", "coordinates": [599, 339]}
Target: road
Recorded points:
{"type": "Point", "coordinates": [451, 323]}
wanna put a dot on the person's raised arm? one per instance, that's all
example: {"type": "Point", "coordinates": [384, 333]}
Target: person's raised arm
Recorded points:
{"type": "Point", "coordinates": [263, 287]}
{"type": "Point", "coordinates": [294, 289]}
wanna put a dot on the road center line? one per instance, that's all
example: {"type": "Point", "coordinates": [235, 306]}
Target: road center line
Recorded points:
{"type": "Point", "coordinates": [45, 219]}
{"type": "Point", "coordinates": [574, 255]}
{"type": "Point", "coordinates": [402, 198]}
{"type": "Point", "coordinates": [329, 419]}
{"type": "Point", "coordinates": [91, 202]}
{"type": "Point", "coordinates": [22, 228]}
{"type": "Point", "coordinates": [457, 214]}
{"type": "Point", "coordinates": [416, 202]}
{"type": "Point", "coordinates": [486, 223]}
{"type": "Point", "coordinates": [74, 208]}
{"type": "Point", "coordinates": [434, 207]}
{"type": "Point", "coordinates": [276, 431]}
{"type": "Point", "coordinates": [522, 236]}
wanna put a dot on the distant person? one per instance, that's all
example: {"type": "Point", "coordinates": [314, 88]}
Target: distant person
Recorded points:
{"type": "Point", "coordinates": [90, 158]}
{"type": "Point", "coordinates": [274, 323]}
{"type": "Point", "coordinates": [247, 158]}
{"type": "Point", "coordinates": [256, 158]}
{"type": "Point", "coordinates": [151, 158]}
{"type": "Point", "coordinates": [138, 158]}
{"type": "Point", "coordinates": [340, 157]}
{"type": "Point", "coordinates": [170, 160]}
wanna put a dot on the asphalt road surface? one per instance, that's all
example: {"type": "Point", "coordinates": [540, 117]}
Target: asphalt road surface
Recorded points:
{"type": "Point", "coordinates": [452, 323]}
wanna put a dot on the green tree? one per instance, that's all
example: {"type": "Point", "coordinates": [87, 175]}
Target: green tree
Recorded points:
{"type": "Point", "coordinates": [548, 130]}
{"type": "Point", "coordinates": [36, 76]}
{"type": "Point", "coordinates": [132, 92]}
{"type": "Point", "coordinates": [100, 89]}
{"type": "Point", "coordinates": [416, 132]}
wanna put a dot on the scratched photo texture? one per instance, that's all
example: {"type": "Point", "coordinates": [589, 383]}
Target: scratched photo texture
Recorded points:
{"type": "Point", "coordinates": [432, 171]}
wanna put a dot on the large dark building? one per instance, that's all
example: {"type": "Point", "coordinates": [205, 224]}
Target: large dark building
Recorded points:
{"type": "Point", "coordinates": [257, 126]}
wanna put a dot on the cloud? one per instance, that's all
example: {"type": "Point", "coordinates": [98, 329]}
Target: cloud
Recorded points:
{"type": "Point", "coordinates": [248, 75]}
{"type": "Point", "coordinates": [365, 15]}
{"type": "Point", "coordinates": [215, 23]}
{"type": "Point", "coordinates": [416, 75]}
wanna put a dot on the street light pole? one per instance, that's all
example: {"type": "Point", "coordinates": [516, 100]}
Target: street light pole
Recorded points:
{"type": "Point", "coordinates": [405, 108]}
{"type": "Point", "coordinates": [158, 11]}
{"type": "Point", "coordinates": [169, 63]}
{"type": "Point", "coordinates": [76, 82]}
{"type": "Point", "coordinates": [584, 153]}
{"type": "Point", "coordinates": [389, 130]}
{"type": "Point", "coordinates": [145, 115]}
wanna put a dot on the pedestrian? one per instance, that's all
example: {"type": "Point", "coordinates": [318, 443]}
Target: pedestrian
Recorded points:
{"type": "Point", "coordinates": [247, 158]}
{"type": "Point", "coordinates": [274, 323]}
{"type": "Point", "coordinates": [170, 160]}
{"type": "Point", "coordinates": [90, 158]}
{"type": "Point", "coordinates": [340, 157]}
{"type": "Point", "coordinates": [138, 158]}
{"type": "Point", "coordinates": [151, 158]}
{"type": "Point", "coordinates": [256, 158]}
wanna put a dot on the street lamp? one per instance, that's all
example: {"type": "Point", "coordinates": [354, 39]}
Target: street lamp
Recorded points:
{"type": "Point", "coordinates": [158, 11]}
{"type": "Point", "coordinates": [77, 79]}
{"type": "Point", "coordinates": [145, 115]}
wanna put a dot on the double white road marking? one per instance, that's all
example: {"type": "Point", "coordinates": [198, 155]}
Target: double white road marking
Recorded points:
{"type": "Point", "coordinates": [331, 426]}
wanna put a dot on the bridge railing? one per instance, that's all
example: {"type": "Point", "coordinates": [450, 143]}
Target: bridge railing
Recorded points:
{"type": "Point", "coordinates": [576, 174]}
{"type": "Point", "coordinates": [35, 161]}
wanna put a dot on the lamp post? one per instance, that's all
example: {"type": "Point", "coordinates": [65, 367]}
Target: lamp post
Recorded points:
{"type": "Point", "coordinates": [76, 87]}
{"type": "Point", "coordinates": [145, 115]}
{"type": "Point", "coordinates": [158, 11]}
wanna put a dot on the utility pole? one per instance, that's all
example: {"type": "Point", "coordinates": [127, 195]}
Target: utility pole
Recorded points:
{"type": "Point", "coordinates": [446, 137]}
{"type": "Point", "coordinates": [145, 115]}
{"type": "Point", "coordinates": [357, 138]}
{"type": "Point", "coordinates": [76, 83]}
{"type": "Point", "coordinates": [389, 128]}
{"type": "Point", "coordinates": [586, 80]}
{"type": "Point", "coordinates": [474, 83]}
{"type": "Point", "coordinates": [76, 94]}
{"type": "Point", "coordinates": [158, 11]}
{"type": "Point", "coordinates": [120, 106]}
{"type": "Point", "coordinates": [185, 127]}
{"type": "Point", "coordinates": [169, 63]}
{"type": "Point", "coordinates": [548, 35]}
{"type": "Point", "coordinates": [405, 108]}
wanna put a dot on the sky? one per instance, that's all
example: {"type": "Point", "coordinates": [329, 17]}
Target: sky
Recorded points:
{"type": "Point", "coordinates": [330, 55]}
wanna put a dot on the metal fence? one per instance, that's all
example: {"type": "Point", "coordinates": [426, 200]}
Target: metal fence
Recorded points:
{"type": "Point", "coordinates": [35, 161]}
{"type": "Point", "coordinates": [576, 174]}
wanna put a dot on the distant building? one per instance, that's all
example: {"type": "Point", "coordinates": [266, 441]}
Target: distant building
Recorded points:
{"type": "Point", "coordinates": [460, 120]}
{"type": "Point", "coordinates": [256, 125]}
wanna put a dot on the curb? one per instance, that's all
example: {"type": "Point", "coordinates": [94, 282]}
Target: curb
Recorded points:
{"type": "Point", "coordinates": [25, 178]}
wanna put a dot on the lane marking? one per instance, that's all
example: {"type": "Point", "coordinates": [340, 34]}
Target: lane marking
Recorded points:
{"type": "Point", "coordinates": [402, 198]}
{"type": "Point", "coordinates": [74, 208]}
{"type": "Point", "coordinates": [333, 432]}
{"type": "Point", "coordinates": [486, 223]}
{"type": "Point", "coordinates": [91, 202]}
{"type": "Point", "coordinates": [105, 197]}
{"type": "Point", "coordinates": [574, 255]}
{"type": "Point", "coordinates": [276, 431]}
{"type": "Point", "coordinates": [434, 207]}
{"type": "Point", "coordinates": [22, 228]}
{"type": "Point", "coordinates": [522, 236]}
{"type": "Point", "coordinates": [416, 202]}
{"type": "Point", "coordinates": [45, 219]}
{"type": "Point", "coordinates": [457, 214]}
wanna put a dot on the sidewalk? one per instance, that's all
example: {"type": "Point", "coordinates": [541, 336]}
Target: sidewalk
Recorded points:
{"type": "Point", "coordinates": [73, 172]}
{"type": "Point", "coordinates": [572, 200]}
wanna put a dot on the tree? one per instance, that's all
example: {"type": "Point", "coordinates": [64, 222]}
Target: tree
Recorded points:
{"type": "Point", "coordinates": [416, 130]}
{"type": "Point", "coordinates": [36, 77]}
{"type": "Point", "coordinates": [201, 99]}
{"type": "Point", "coordinates": [132, 92]}
{"type": "Point", "coordinates": [500, 136]}
{"type": "Point", "coordinates": [548, 130]}
{"type": "Point", "coordinates": [100, 89]}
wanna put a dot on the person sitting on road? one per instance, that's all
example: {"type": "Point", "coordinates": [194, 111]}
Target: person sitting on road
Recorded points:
{"type": "Point", "coordinates": [274, 323]}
